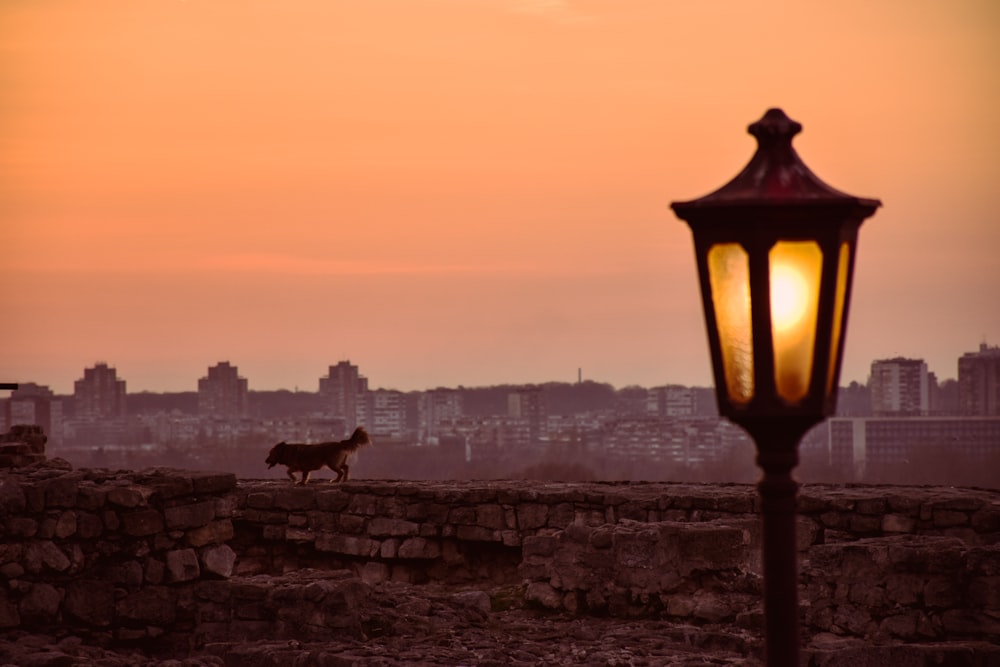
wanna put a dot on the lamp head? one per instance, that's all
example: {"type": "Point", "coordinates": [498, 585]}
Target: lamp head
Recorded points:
{"type": "Point", "coordinates": [775, 249]}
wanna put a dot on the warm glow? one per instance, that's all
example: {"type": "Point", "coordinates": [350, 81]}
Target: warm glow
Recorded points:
{"type": "Point", "coordinates": [789, 297]}
{"type": "Point", "coordinates": [729, 275]}
{"type": "Point", "coordinates": [795, 277]}
{"type": "Point", "coordinates": [843, 268]}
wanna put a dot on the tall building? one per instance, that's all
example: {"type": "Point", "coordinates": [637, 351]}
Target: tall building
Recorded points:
{"type": "Point", "coordinates": [383, 413]}
{"type": "Point", "coordinates": [436, 408]}
{"type": "Point", "coordinates": [528, 404]}
{"type": "Point", "coordinates": [979, 382]}
{"type": "Point", "coordinates": [99, 394]}
{"type": "Point", "coordinates": [899, 387]}
{"type": "Point", "coordinates": [341, 391]}
{"type": "Point", "coordinates": [223, 393]}
{"type": "Point", "coordinates": [31, 404]}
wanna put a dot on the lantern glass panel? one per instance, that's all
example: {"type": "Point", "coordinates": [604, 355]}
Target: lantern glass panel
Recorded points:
{"type": "Point", "coordinates": [729, 276]}
{"type": "Point", "coordinates": [843, 266]}
{"type": "Point", "coordinates": [795, 272]}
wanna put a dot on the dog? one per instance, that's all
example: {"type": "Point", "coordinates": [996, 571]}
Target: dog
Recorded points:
{"type": "Point", "coordinates": [307, 458]}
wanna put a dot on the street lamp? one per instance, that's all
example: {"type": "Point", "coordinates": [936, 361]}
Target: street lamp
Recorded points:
{"type": "Point", "coordinates": [775, 249]}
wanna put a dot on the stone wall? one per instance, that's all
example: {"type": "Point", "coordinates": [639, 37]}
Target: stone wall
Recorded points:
{"type": "Point", "coordinates": [184, 558]}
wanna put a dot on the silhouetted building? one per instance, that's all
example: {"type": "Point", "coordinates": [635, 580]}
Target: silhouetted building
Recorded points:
{"type": "Point", "coordinates": [887, 446]}
{"type": "Point", "coordinates": [383, 412]}
{"type": "Point", "coordinates": [33, 404]}
{"type": "Point", "coordinates": [223, 393]}
{"type": "Point", "coordinates": [899, 387]}
{"type": "Point", "coordinates": [341, 391]}
{"type": "Point", "coordinates": [439, 409]}
{"type": "Point", "coordinates": [99, 394]}
{"type": "Point", "coordinates": [528, 405]}
{"type": "Point", "coordinates": [979, 381]}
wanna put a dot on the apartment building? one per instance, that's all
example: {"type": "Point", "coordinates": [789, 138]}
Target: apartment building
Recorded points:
{"type": "Point", "coordinates": [222, 393]}
{"type": "Point", "coordinates": [899, 387]}
{"type": "Point", "coordinates": [99, 394]}
{"type": "Point", "coordinates": [979, 382]}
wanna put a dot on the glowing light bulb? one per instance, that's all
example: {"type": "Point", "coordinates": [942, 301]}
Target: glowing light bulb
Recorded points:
{"type": "Point", "coordinates": [789, 297]}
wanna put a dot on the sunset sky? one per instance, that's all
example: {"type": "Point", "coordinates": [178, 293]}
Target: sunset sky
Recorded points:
{"type": "Point", "coordinates": [467, 192]}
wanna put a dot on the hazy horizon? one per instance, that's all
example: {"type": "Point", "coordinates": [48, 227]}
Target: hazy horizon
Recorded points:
{"type": "Point", "coordinates": [467, 193]}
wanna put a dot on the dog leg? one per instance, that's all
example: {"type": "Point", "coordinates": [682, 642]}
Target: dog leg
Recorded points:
{"type": "Point", "coordinates": [291, 476]}
{"type": "Point", "coordinates": [305, 477]}
{"type": "Point", "coordinates": [347, 472]}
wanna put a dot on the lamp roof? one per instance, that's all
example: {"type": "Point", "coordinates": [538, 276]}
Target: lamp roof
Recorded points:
{"type": "Point", "coordinates": [775, 175]}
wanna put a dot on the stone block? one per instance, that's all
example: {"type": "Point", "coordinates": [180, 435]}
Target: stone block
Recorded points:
{"type": "Point", "coordinates": [419, 548]}
{"type": "Point", "coordinates": [561, 515]}
{"type": "Point", "coordinates": [351, 523]}
{"type": "Point", "coordinates": [44, 555]}
{"type": "Point", "coordinates": [491, 516]}
{"type": "Point", "coordinates": [128, 574]}
{"type": "Point", "coordinates": [462, 516]}
{"type": "Point", "coordinates": [265, 516]}
{"type": "Point", "coordinates": [332, 500]}
{"type": "Point", "coordinates": [127, 496]}
{"type": "Point", "coordinates": [389, 548]}
{"type": "Point", "coordinates": [347, 544]}
{"type": "Point", "coordinates": [365, 505]}
{"type": "Point", "coordinates": [320, 520]}
{"type": "Point", "coordinates": [142, 522]}
{"type": "Point", "coordinates": [212, 482]}
{"type": "Point", "coordinates": [182, 565]}
{"type": "Point", "coordinates": [532, 516]}
{"type": "Point", "coordinates": [295, 498]}
{"type": "Point", "coordinates": [477, 534]}
{"type": "Point", "coordinates": [387, 527]}
{"type": "Point", "coordinates": [260, 500]}
{"type": "Point", "coordinates": [215, 532]}
{"type": "Point", "coordinates": [897, 523]}
{"type": "Point", "coordinates": [870, 506]}
{"type": "Point", "coordinates": [61, 492]}
{"type": "Point", "coordinates": [189, 516]}
{"type": "Point", "coordinates": [40, 604]}
{"type": "Point", "coordinates": [218, 560]}
{"type": "Point", "coordinates": [90, 601]}
{"type": "Point", "coordinates": [299, 534]}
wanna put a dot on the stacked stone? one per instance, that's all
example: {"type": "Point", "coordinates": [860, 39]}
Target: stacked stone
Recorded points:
{"type": "Point", "coordinates": [106, 551]}
{"type": "Point", "coordinates": [195, 557]}
{"type": "Point", "coordinates": [692, 572]}
{"type": "Point", "coordinates": [23, 445]}
{"type": "Point", "coordinates": [904, 588]}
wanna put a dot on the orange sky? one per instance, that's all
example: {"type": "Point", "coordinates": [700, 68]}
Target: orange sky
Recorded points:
{"type": "Point", "coordinates": [467, 192]}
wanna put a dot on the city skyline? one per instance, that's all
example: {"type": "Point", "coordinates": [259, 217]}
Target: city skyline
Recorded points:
{"type": "Point", "coordinates": [329, 368]}
{"type": "Point", "coordinates": [453, 193]}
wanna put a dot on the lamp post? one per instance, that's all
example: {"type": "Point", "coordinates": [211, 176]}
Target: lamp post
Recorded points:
{"type": "Point", "coordinates": [775, 249]}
